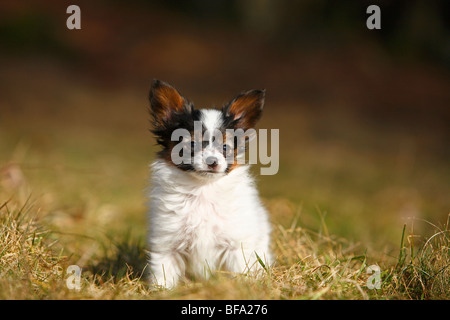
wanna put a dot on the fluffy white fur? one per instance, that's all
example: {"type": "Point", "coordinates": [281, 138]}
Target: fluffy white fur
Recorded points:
{"type": "Point", "coordinates": [201, 223]}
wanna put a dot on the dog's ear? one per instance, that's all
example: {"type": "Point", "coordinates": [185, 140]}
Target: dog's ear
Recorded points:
{"type": "Point", "coordinates": [246, 108]}
{"type": "Point", "coordinates": [165, 101]}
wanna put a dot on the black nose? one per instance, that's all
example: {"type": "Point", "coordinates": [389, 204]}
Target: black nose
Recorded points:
{"type": "Point", "coordinates": [212, 162]}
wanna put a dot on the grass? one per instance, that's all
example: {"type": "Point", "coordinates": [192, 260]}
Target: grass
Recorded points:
{"type": "Point", "coordinates": [310, 265]}
{"type": "Point", "coordinates": [424, 274]}
{"type": "Point", "coordinates": [28, 265]}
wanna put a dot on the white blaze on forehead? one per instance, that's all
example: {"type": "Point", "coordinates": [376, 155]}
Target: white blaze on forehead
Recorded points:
{"type": "Point", "coordinates": [211, 119]}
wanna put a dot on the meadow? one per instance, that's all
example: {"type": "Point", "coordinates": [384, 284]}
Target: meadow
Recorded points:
{"type": "Point", "coordinates": [349, 194]}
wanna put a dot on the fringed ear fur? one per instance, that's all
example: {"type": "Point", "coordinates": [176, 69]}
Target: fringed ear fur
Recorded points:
{"type": "Point", "coordinates": [165, 101]}
{"type": "Point", "coordinates": [246, 108]}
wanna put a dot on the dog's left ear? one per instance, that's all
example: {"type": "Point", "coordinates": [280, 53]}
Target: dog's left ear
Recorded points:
{"type": "Point", "coordinates": [246, 108]}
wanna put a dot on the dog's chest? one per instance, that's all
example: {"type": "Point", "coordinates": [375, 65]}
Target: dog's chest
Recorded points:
{"type": "Point", "coordinates": [205, 216]}
{"type": "Point", "coordinates": [208, 226]}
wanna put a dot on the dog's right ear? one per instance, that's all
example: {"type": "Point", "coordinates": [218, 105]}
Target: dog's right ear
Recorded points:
{"type": "Point", "coordinates": [165, 101]}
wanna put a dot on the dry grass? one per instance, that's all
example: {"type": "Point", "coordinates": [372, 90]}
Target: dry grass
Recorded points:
{"type": "Point", "coordinates": [28, 266]}
{"type": "Point", "coordinates": [424, 274]}
{"type": "Point", "coordinates": [310, 265]}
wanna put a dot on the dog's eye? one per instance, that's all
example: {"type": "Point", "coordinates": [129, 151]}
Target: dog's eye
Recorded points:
{"type": "Point", "coordinates": [226, 148]}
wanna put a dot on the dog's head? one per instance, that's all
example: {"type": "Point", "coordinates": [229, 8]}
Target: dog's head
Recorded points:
{"type": "Point", "coordinates": [206, 142]}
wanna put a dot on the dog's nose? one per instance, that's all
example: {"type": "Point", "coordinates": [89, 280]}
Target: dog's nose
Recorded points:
{"type": "Point", "coordinates": [212, 162]}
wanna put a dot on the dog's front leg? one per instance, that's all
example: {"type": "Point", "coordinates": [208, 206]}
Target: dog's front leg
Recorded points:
{"type": "Point", "coordinates": [166, 268]}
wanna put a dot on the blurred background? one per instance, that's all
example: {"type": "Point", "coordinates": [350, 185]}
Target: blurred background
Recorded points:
{"type": "Point", "coordinates": [363, 114]}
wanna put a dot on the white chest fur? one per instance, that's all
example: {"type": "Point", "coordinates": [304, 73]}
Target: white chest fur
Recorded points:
{"type": "Point", "coordinates": [197, 226]}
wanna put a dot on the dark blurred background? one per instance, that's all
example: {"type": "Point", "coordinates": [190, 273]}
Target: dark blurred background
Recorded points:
{"type": "Point", "coordinates": [313, 52]}
{"type": "Point", "coordinates": [363, 114]}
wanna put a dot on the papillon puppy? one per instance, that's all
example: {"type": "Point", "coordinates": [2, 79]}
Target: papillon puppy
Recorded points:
{"type": "Point", "coordinates": [205, 213]}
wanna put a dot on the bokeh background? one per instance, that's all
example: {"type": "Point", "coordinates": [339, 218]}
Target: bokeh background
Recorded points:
{"type": "Point", "coordinates": [363, 114]}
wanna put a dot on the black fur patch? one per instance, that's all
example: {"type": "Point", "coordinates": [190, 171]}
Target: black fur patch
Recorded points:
{"type": "Point", "coordinates": [163, 133]}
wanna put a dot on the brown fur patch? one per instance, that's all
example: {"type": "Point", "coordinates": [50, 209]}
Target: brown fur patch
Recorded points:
{"type": "Point", "coordinates": [235, 163]}
{"type": "Point", "coordinates": [164, 101]}
{"type": "Point", "coordinates": [247, 107]}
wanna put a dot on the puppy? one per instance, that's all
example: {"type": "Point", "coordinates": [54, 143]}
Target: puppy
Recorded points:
{"type": "Point", "coordinates": [205, 213]}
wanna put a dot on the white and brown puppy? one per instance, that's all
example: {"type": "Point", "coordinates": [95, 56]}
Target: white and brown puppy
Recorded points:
{"type": "Point", "coordinates": [205, 212]}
